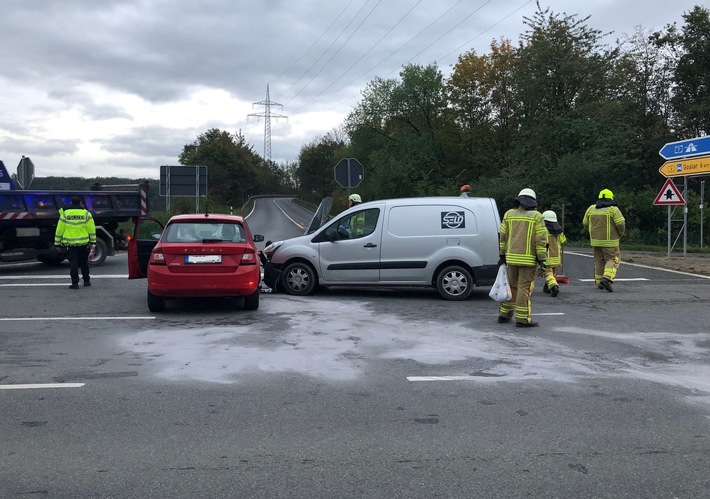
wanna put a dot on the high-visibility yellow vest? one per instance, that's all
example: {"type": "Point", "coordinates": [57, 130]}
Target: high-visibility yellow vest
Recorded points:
{"type": "Point", "coordinates": [554, 249]}
{"type": "Point", "coordinates": [606, 225]}
{"type": "Point", "coordinates": [75, 228]}
{"type": "Point", "coordinates": [523, 237]}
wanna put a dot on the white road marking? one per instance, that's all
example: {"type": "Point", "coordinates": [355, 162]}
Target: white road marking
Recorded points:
{"type": "Point", "coordinates": [41, 385]}
{"type": "Point", "coordinates": [645, 266]}
{"type": "Point", "coordinates": [109, 318]}
{"type": "Point", "coordinates": [440, 378]}
{"type": "Point", "coordinates": [43, 285]}
{"type": "Point", "coordinates": [550, 313]}
{"type": "Point", "coordinates": [61, 276]}
{"type": "Point", "coordinates": [620, 279]}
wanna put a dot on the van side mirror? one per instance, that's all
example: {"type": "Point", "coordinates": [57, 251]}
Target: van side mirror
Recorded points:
{"type": "Point", "coordinates": [258, 238]}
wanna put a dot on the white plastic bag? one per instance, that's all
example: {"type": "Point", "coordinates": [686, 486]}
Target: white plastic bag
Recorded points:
{"type": "Point", "coordinates": [501, 288]}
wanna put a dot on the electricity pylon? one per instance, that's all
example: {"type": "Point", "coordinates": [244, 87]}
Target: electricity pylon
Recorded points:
{"type": "Point", "coordinates": [267, 115]}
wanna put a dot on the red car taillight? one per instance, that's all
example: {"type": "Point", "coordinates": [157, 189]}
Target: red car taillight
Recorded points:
{"type": "Point", "coordinates": [157, 258]}
{"type": "Point", "coordinates": [249, 257]}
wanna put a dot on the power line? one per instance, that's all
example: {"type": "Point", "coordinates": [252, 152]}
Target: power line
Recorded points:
{"type": "Point", "coordinates": [444, 57]}
{"type": "Point", "coordinates": [363, 55]}
{"type": "Point", "coordinates": [337, 51]}
{"type": "Point", "coordinates": [326, 50]}
{"type": "Point", "coordinates": [393, 53]}
{"type": "Point", "coordinates": [314, 43]}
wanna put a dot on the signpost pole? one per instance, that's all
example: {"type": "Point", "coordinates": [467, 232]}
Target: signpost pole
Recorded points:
{"type": "Point", "coordinates": [349, 186]}
{"type": "Point", "coordinates": [669, 231]}
{"type": "Point", "coordinates": [685, 217]}
{"type": "Point", "coordinates": [702, 214]}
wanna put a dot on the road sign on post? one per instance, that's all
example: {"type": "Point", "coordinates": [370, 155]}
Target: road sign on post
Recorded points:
{"type": "Point", "coordinates": [669, 195]}
{"type": "Point", "coordinates": [349, 172]}
{"type": "Point", "coordinates": [685, 167]}
{"type": "Point", "coordinates": [25, 172]}
{"type": "Point", "coordinates": [183, 180]}
{"type": "Point", "coordinates": [685, 148]}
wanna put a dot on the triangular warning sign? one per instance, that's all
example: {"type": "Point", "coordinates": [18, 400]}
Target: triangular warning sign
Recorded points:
{"type": "Point", "coordinates": [669, 195]}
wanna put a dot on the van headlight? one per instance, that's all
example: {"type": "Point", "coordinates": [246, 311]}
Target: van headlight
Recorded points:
{"type": "Point", "coordinates": [271, 248]}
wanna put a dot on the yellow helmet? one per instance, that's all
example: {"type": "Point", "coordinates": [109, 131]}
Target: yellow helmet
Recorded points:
{"type": "Point", "coordinates": [606, 194]}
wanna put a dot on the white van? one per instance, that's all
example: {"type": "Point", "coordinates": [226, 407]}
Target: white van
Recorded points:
{"type": "Point", "coordinates": [449, 243]}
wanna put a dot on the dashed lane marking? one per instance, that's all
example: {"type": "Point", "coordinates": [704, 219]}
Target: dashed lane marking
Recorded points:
{"type": "Point", "coordinates": [109, 318]}
{"type": "Point", "coordinates": [639, 265]}
{"type": "Point", "coordinates": [41, 385]}
{"type": "Point", "coordinates": [620, 279]}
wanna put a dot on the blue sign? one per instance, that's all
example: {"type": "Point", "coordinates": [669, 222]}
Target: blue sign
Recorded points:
{"type": "Point", "coordinates": [686, 148]}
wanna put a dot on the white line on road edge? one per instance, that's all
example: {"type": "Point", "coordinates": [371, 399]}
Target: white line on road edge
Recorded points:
{"type": "Point", "coordinates": [40, 285]}
{"type": "Point", "coordinates": [137, 318]}
{"type": "Point", "coordinates": [620, 279]}
{"type": "Point", "coordinates": [440, 378]}
{"type": "Point", "coordinates": [62, 276]}
{"type": "Point", "coordinates": [41, 385]}
{"type": "Point", "coordinates": [645, 266]}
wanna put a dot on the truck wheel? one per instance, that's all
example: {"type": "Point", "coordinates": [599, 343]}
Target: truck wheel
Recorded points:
{"type": "Point", "coordinates": [52, 260]}
{"type": "Point", "coordinates": [298, 279]}
{"type": "Point", "coordinates": [251, 302]}
{"type": "Point", "coordinates": [454, 283]}
{"type": "Point", "coordinates": [155, 303]}
{"type": "Point", "coordinates": [99, 253]}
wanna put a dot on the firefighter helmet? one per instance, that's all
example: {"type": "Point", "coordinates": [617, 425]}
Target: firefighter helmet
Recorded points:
{"type": "Point", "coordinates": [355, 198]}
{"type": "Point", "coordinates": [606, 194]}
{"type": "Point", "coordinates": [549, 216]}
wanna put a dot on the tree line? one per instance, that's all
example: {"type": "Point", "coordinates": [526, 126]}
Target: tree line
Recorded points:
{"type": "Point", "coordinates": [560, 112]}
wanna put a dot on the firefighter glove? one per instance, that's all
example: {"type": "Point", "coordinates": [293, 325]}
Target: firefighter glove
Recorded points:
{"type": "Point", "coordinates": [501, 260]}
{"type": "Point", "coordinates": [542, 265]}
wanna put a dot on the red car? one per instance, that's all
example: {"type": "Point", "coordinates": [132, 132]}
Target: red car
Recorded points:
{"type": "Point", "coordinates": [201, 255]}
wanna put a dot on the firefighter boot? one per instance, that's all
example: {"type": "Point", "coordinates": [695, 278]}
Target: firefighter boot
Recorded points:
{"type": "Point", "coordinates": [554, 291]}
{"type": "Point", "coordinates": [606, 284]}
{"type": "Point", "coordinates": [546, 289]}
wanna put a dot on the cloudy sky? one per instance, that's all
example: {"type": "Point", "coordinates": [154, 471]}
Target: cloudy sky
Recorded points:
{"type": "Point", "coordinates": [117, 87]}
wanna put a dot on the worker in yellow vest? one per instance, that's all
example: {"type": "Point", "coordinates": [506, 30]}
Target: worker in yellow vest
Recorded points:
{"type": "Point", "coordinates": [76, 232]}
{"type": "Point", "coordinates": [523, 246]}
{"type": "Point", "coordinates": [555, 240]}
{"type": "Point", "coordinates": [606, 226]}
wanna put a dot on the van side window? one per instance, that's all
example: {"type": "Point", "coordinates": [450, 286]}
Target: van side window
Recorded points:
{"type": "Point", "coordinates": [359, 224]}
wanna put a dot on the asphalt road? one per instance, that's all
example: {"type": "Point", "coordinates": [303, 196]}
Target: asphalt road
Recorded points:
{"type": "Point", "coordinates": [353, 393]}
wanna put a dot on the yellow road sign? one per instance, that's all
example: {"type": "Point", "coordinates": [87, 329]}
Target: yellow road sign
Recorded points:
{"type": "Point", "coordinates": [683, 167]}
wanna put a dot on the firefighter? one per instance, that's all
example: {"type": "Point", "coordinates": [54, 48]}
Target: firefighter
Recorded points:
{"type": "Point", "coordinates": [357, 222]}
{"type": "Point", "coordinates": [555, 240]}
{"type": "Point", "coordinates": [465, 191]}
{"type": "Point", "coordinates": [76, 231]}
{"type": "Point", "coordinates": [606, 226]}
{"type": "Point", "coordinates": [523, 246]}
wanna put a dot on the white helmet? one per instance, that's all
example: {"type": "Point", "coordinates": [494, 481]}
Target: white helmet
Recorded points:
{"type": "Point", "coordinates": [355, 198]}
{"type": "Point", "coordinates": [528, 192]}
{"type": "Point", "coordinates": [549, 216]}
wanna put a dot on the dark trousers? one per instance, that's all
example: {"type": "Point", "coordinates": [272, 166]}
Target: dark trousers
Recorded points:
{"type": "Point", "coordinates": [78, 259]}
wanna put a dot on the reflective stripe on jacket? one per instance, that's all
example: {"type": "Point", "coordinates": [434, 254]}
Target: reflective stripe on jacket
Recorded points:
{"type": "Point", "coordinates": [75, 228]}
{"type": "Point", "coordinates": [523, 237]}
{"type": "Point", "coordinates": [606, 226]}
{"type": "Point", "coordinates": [554, 249]}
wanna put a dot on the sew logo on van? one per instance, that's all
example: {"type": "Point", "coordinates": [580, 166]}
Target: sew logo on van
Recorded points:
{"type": "Point", "coordinates": [453, 220]}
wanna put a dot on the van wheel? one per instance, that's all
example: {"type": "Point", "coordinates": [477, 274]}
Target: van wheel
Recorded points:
{"type": "Point", "coordinates": [155, 303]}
{"type": "Point", "coordinates": [454, 283]}
{"type": "Point", "coordinates": [299, 279]}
